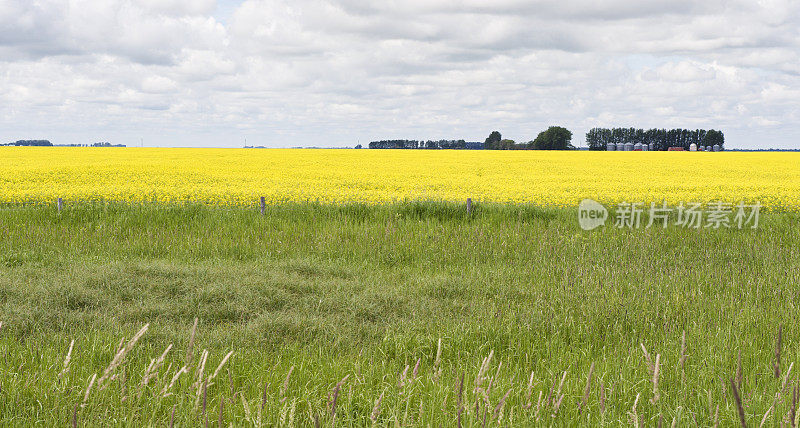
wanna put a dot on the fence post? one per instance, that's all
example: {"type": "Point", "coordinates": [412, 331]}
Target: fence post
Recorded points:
{"type": "Point", "coordinates": [60, 204]}
{"type": "Point", "coordinates": [263, 206]}
{"type": "Point", "coordinates": [469, 206]}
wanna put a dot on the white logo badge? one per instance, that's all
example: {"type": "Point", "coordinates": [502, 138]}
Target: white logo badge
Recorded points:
{"type": "Point", "coordinates": [591, 214]}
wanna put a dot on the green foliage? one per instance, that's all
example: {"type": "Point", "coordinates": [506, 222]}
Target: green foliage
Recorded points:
{"type": "Point", "coordinates": [493, 141]}
{"type": "Point", "coordinates": [657, 139]}
{"type": "Point", "coordinates": [554, 138]}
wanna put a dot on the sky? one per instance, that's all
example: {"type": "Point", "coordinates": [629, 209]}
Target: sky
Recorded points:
{"type": "Point", "coordinates": [333, 73]}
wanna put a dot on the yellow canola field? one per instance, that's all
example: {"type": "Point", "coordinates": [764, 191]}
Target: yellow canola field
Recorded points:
{"type": "Point", "coordinates": [240, 176]}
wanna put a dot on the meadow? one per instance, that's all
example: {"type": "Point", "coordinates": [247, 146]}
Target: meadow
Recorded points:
{"type": "Point", "coordinates": [308, 296]}
{"type": "Point", "coordinates": [121, 310]}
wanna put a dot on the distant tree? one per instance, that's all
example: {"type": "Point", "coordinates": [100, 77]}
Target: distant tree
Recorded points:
{"type": "Point", "coordinates": [713, 137]}
{"type": "Point", "coordinates": [598, 138]}
{"type": "Point", "coordinates": [506, 144]}
{"type": "Point", "coordinates": [655, 139]}
{"type": "Point", "coordinates": [493, 141]}
{"type": "Point", "coordinates": [358, 146]}
{"type": "Point", "coordinates": [39, 143]}
{"type": "Point", "coordinates": [554, 138]}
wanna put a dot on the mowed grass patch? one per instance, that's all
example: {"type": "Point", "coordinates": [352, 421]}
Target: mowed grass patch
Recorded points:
{"type": "Point", "coordinates": [367, 292]}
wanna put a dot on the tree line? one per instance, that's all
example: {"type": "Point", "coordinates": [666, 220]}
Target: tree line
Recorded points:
{"type": "Point", "coordinates": [656, 139]}
{"type": "Point", "coordinates": [33, 143]}
{"type": "Point", "coordinates": [554, 138]}
{"type": "Point", "coordinates": [416, 144]}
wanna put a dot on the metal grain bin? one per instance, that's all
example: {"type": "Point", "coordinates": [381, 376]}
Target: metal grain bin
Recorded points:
{"type": "Point", "coordinates": [611, 147]}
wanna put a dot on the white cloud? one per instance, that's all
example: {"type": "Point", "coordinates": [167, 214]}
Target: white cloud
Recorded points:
{"type": "Point", "coordinates": [333, 72]}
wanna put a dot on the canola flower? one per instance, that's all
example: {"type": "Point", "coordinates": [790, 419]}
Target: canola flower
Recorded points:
{"type": "Point", "coordinates": [241, 176]}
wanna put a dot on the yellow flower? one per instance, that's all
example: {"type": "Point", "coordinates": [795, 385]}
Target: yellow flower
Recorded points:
{"type": "Point", "coordinates": [241, 176]}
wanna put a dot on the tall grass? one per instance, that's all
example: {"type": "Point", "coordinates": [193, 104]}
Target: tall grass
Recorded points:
{"type": "Point", "coordinates": [407, 314]}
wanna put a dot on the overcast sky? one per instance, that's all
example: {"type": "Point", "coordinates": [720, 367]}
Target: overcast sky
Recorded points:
{"type": "Point", "coordinates": [338, 72]}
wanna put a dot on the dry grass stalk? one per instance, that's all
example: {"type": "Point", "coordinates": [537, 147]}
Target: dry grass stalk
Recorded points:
{"type": "Point", "coordinates": [561, 384]}
{"type": "Point", "coordinates": [739, 370]}
{"type": "Point", "coordinates": [403, 377]}
{"type": "Point", "coordinates": [263, 404]}
{"type": "Point", "coordinates": [796, 419]}
{"type": "Point", "coordinates": [778, 346]}
{"type": "Point", "coordinates": [498, 411]}
{"type": "Point", "coordinates": [415, 372]}
{"type": "Point", "coordinates": [264, 396]}
{"type": "Point", "coordinates": [123, 383]}
{"type": "Point", "coordinates": [656, 393]}
{"type": "Point", "coordinates": [586, 390]}
{"type": "Point", "coordinates": [291, 413]}
{"type": "Point", "coordinates": [459, 400]}
{"type": "Point", "coordinates": [602, 398]}
{"type": "Point", "coordinates": [647, 359]}
{"type": "Point", "coordinates": [716, 417]}
{"type": "Point", "coordinates": [684, 357]}
{"type": "Point", "coordinates": [152, 369]}
{"type": "Point", "coordinates": [285, 386]}
{"type": "Point", "coordinates": [190, 348]}
{"type": "Point", "coordinates": [785, 384]}
{"type": "Point", "coordinates": [74, 410]}
{"type": "Point", "coordinates": [88, 389]}
{"type": "Point", "coordinates": [248, 415]}
{"type": "Point", "coordinates": [633, 413]}
{"type": "Point", "coordinates": [437, 370]}
{"type": "Point", "coordinates": [201, 381]}
{"type": "Point", "coordinates": [205, 401]}
{"type": "Point", "coordinates": [201, 367]}
{"type": "Point", "coordinates": [793, 409]}
{"type": "Point", "coordinates": [738, 400]}
{"type": "Point", "coordinates": [120, 356]}
{"type": "Point", "coordinates": [120, 345]}
{"type": "Point", "coordinates": [67, 360]}
{"type": "Point", "coordinates": [481, 377]}
{"type": "Point", "coordinates": [496, 375]}
{"type": "Point", "coordinates": [528, 393]}
{"type": "Point", "coordinates": [559, 397]}
{"type": "Point", "coordinates": [376, 409]}
{"type": "Point", "coordinates": [172, 416]}
{"type": "Point", "coordinates": [766, 415]}
{"type": "Point", "coordinates": [219, 367]}
{"type": "Point", "coordinates": [165, 392]}
{"type": "Point", "coordinates": [335, 398]}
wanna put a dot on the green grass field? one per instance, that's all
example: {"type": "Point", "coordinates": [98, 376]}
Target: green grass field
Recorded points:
{"type": "Point", "coordinates": [360, 296]}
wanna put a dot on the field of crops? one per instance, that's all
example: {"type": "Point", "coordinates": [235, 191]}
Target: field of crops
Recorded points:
{"type": "Point", "coordinates": [241, 176]}
{"type": "Point", "coordinates": [366, 294]}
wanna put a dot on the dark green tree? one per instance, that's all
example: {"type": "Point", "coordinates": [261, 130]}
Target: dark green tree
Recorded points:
{"type": "Point", "coordinates": [493, 141]}
{"type": "Point", "coordinates": [554, 138]}
{"type": "Point", "coordinates": [507, 144]}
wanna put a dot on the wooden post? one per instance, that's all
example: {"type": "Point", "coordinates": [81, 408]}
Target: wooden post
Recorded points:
{"type": "Point", "coordinates": [263, 206]}
{"type": "Point", "coordinates": [469, 206]}
{"type": "Point", "coordinates": [60, 204]}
